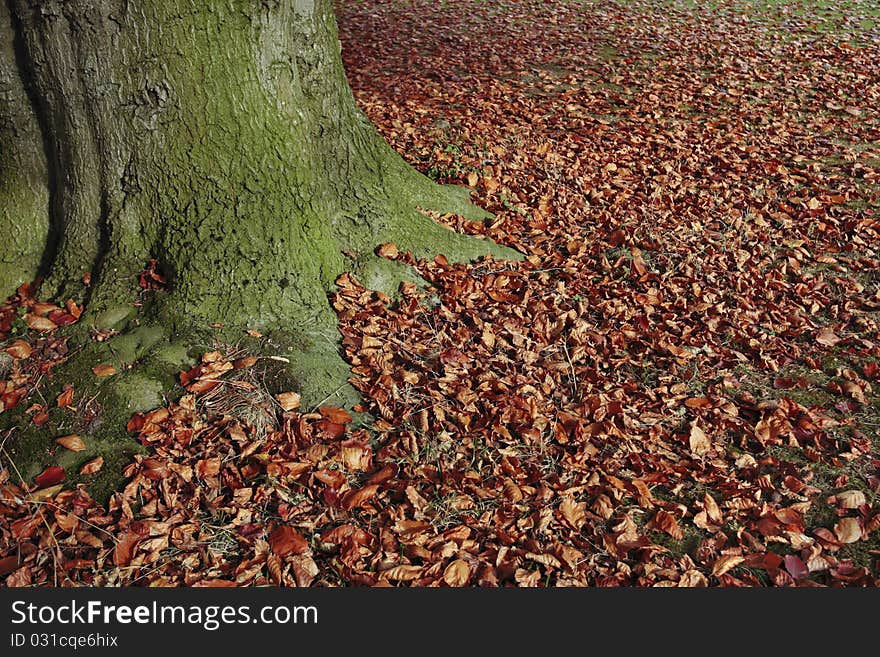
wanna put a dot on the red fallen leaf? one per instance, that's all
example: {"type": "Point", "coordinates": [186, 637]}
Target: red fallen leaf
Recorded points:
{"type": "Point", "coordinates": [65, 398]}
{"type": "Point", "coordinates": [827, 337]}
{"type": "Point", "coordinates": [19, 350]}
{"type": "Point", "coordinates": [41, 418]}
{"type": "Point", "coordinates": [332, 430]}
{"type": "Point", "coordinates": [203, 385]}
{"type": "Point", "coordinates": [795, 566]}
{"type": "Point", "coordinates": [871, 370]}
{"type": "Point", "coordinates": [10, 399]}
{"type": "Point", "coordinates": [286, 540]}
{"type": "Point", "coordinates": [785, 383]}
{"type": "Point", "coordinates": [698, 402]}
{"type": "Point", "coordinates": [61, 318]}
{"type": "Point", "coordinates": [335, 415]}
{"type": "Point", "coordinates": [8, 564]}
{"type": "Point", "coordinates": [93, 466]}
{"type": "Point", "coordinates": [50, 476]}
{"type": "Point", "coordinates": [190, 375]}
{"type": "Point", "coordinates": [135, 423]}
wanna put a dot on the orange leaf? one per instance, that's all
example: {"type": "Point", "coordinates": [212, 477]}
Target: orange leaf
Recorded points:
{"type": "Point", "coordinates": [575, 514]}
{"type": "Point", "coordinates": [104, 370]}
{"type": "Point", "coordinates": [359, 497]}
{"type": "Point", "coordinates": [335, 415]}
{"type": "Point", "coordinates": [73, 443]}
{"type": "Point", "coordinates": [65, 398]}
{"type": "Point", "coordinates": [389, 251]}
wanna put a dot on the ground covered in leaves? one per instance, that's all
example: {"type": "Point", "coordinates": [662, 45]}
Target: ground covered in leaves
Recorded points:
{"type": "Point", "coordinates": [676, 387]}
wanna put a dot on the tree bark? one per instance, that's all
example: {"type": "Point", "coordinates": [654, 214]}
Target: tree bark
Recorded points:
{"type": "Point", "coordinates": [221, 139]}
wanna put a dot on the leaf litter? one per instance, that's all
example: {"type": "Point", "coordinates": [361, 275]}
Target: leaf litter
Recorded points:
{"type": "Point", "coordinates": [675, 387]}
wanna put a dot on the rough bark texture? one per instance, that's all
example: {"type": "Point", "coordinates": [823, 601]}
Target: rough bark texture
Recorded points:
{"type": "Point", "coordinates": [24, 181]}
{"type": "Point", "coordinates": [223, 140]}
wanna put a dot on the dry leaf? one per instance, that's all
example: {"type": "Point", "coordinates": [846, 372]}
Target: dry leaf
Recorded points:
{"type": "Point", "coordinates": [288, 400]}
{"type": "Point", "coordinates": [457, 573]}
{"type": "Point", "coordinates": [73, 443]}
{"type": "Point", "coordinates": [698, 441]}
{"type": "Point", "coordinates": [93, 466]}
{"type": "Point", "coordinates": [725, 563]}
{"type": "Point", "coordinates": [104, 370]}
{"type": "Point", "coordinates": [851, 499]}
{"type": "Point", "coordinates": [848, 530]}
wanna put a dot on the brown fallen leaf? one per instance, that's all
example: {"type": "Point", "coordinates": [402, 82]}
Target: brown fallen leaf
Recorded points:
{"type": "Point", "coordinates": [104, 370]}
{"type": "Point", "coordinates": [65, 398]}
{"type": "Point", "coordinates": [698, 441]}
{"type": "Point", "coordinates": [848, 530]}
{"type": "Point", "coordinates": [851, 499]}
{"type": "Point", "coordinates": [74, 443]}
{"type": "Point", "coordinates": [286, 540]}
{"type": "Point", "coordinates": [288, 400]}
{"type": "Point", "coordinates": [725, 563]}
{"type": "Point", "coordinates": [93, 466]}
{"type": "Point", "coordinates": [826, 337]}
{"type": "Point", "coordinates": [402, 573]}
{"type": "Point", "coordinates": [457, 573]}
{"type": "Point", "coordinates": [388, 250]}
{"type": "Point", "coordinates": [19, 350]}
{"type": "Point", "coordinates": [40, 323]}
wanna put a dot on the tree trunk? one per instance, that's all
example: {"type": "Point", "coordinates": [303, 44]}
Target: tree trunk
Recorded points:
{"type": "Point", "coordinates": [222, 140]}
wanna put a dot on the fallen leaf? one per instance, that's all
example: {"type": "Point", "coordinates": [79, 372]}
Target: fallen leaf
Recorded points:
{"type": "Point", "coordinates": [104, 370]}
{"type": "Point", "coordinates": [289, 400]}
{"type": "Point", "coordinates": [286, 540]}
{"type": "Point", "coordinates": [93, 466]}
{"type": "Point", "coordinates": [74, 443]}
{"type": "Point", "coordinates": [851, 499]}
{"type": "Point", "coordinates": [698, 441]}
{"type": "Point", "coordinates": [52, 475]}
{"type": "Point", "coordinates": [848, 530]}
{"type": "Point", "coordinates": [725, 563]}
{"type": "Point", "coordinates": [457, 573]}
{"type": "Point", "coordinates": [827, 337]}
{"type": "Point", "coordinates": [19, 350]}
